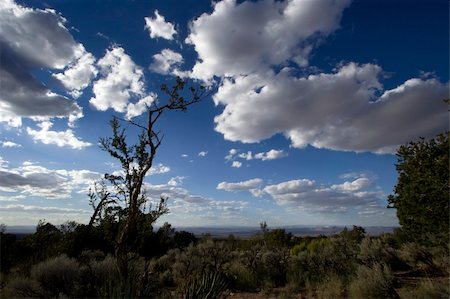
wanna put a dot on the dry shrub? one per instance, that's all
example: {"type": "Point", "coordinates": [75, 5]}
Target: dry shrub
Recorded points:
{"type": "Point", "coordinates": [333, 287]}
{"type": "Point", "coordinates": [57, 276]}
{"type": "Point", "coordinates": [427, 288]}
{"type": "Point", "coordinates": [374, 282]}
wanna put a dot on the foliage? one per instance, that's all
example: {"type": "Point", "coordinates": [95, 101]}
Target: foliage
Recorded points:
{"type": "Point", "coordinates": [58, 275]}
{"type": "Point", "coordinates": [373, 282]}
{"type": "Point", "coordinates": [207, 285]}
{"type": "Point", "coordinates": [427, 288]}
{"type": "Point", "coordinates": [421, 195]}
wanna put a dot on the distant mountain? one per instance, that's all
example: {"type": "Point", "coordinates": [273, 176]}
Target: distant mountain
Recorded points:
{"type": "Point", "coordinates": [243, 231]}
{"type": "Point", "coordinates": [296, 230]}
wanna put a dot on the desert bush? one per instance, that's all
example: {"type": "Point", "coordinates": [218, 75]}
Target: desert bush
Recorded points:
{"type": "Point", "coordinates": [427, 289]}
{"type": "Point", "coordinates": [22, 287]}
{"type": "Point", "coordinates": [274, 265]}
{"type": "Point", "coordinates": [242, 278]}
{"type": "Point", "coordinates": [415, 255]}
{"type": "Point", "coordinates": [440, 260]}
{"type": "Point", "coordinates": [332, 287]}
{"type": "Point", "coordinates": [215, 255]}
{"type": "Point", "coordinates": [375, 251]}
{"type": "Point", "coordinates": [336, 256]}
{"type": "Point", "coordinates": [57, 276]}
{"type": "Point", "coordinates": [373, 282]}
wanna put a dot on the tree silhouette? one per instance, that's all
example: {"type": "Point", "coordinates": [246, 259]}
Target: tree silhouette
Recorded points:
{"type": "Point", "coordinates": [121, 197]}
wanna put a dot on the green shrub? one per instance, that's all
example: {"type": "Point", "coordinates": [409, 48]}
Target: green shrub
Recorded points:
{"type": "Point", "coordinates": [332, 287]}
{"type": "Point", "coordinates": [415, 255]}
{"type": "Point", "coordinates": [207, 285]}
{"type": "Point", "coordinates": [374, 282]}
{"type": "Point", "coordinates": [242, 278]}
{"type": "Point", "coordinates": [57, 276]}
{"type": "Point", "coordinates": [375, 251]}
{"type": "Point", "coordinates": [427, 289]}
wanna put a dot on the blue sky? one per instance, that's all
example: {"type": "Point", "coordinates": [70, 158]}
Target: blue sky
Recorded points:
{"type": "Point", "coordinates": [310, 101]}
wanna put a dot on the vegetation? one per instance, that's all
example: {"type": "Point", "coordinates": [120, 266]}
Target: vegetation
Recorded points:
{"type": "Point", "coordinates": [119, 254]}
{"type": "Point", "coordinates": [422, 192]}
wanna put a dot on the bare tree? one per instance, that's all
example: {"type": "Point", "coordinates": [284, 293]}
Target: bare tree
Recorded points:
{"type": "Point", "coordinates": [126, 196]}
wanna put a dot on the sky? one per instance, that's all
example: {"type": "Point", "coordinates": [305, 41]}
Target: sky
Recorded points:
{"type": "Point", "coordinates": [308, 102]}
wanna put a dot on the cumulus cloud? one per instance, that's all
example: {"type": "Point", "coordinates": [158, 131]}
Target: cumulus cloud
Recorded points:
{"type": "Point", "coordinates": [121, 82]}
{"type": "Point", "coordinates": [22, 31]}
{"type": "Point", "coordinates": [337, 111]}
{"type": "Point", "coordinates": [236, 164]}
{"type": "Point", "coordinates": [185, 204]}
{"type": "Point", "coordinates": [79, 74]}
{"type": "Point", "coordinates": [176, 181]}
{"type": "Point", "coordinates": [168, 62]}
{"type": "Point", "coordinates": [10, 144]}
{"type": "Point", "coordinates": [249, 155]}
{"type": "Point", "coordinates": [39, 181]}
{"type": "Point", "coordinates": [259, 34]}
{"type": "Point", "coordinates": [60, 138]}
{"type": "Point", "coordinates": [258, 64]}
{"type": "Point", "coordinates": [202, 154]}
{"type": "Point", "coordinates": [308, 195]}
{"type": "Point", "coordinates": [358, 184]}
{"type": "Point", "coordinates": [231, 154]}
{"type": "Point", "coordinates": [240, 186]}
{"type": "Point", "coordinates": [158, 27]}
{"type": "Point", "coordinates": [158, 169]}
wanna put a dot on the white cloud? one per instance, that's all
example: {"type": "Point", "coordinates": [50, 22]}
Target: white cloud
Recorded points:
{"type": "Point", "coordinates": [176, 181]}
{"type": "Point", "coordinates": [262, 94]}
{"type": "Point", "coordinates": [246, 156]}
{"type": "Point", "coordinates": [10, 144]}
{"type": "Point", "coordinates": [202, 154]}
{"type": "Point", "coordinates": [249, 155]}
{"type": "Point", "coordinates": [337, 111]}
{"type": "Point", "coordinates": [240, 186]}
{"type": "Point", "coordinates": [308, 196]}
{"type": "Point", "coordinates": [259, 34]}
{"type": "Point", "coordinates": [159, 169]}
{"type": "Point", "coordinates": [183, 204]}
{"type": "Point", "coordinates": [59, 138]}
{"type": "Point", "coordinates": [33, 39]}
{"type": "Point", "coordinates": [264, 156]}
{"type": "Point", "coordinates": [79, 74]}
{"type": "Point", "coordinates": [17, 208]}
{"type": "Point", "coordinates": [236, 164]}
{"type": "Point", "coordinates": [271, 155]}
{"type": "Point", "coordinates": [122, 81]}
{"type": "Point", "coordinates": [158, 27]}
{"type": "Point", "coordinates": [140, 107]}
{"type": "Point", "coordinates": [167, 62]}
{"type": "Point", "coordinates": [231, 154]}
{"type": "Point", "coordinates": [358, 184]}
{"type": "Point", "coordinates": [39, 181]}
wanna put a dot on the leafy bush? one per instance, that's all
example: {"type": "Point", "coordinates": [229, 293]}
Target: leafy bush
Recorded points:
{"type": "Point", "coordinates": [427, 289]}
{"type": "Point", "coordinates": [415, 255]}
{"type": "Point", "coordinates": [332, 287]}
{"type": "Point", "coordinates": [56, 276]}
{"type": "Point", "coordinates": [374, 282]}
{"type": "Point", "coordinates": [375, 251]}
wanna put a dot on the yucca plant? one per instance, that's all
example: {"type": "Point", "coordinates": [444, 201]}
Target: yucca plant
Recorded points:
{"type": "Point", "coordinates": [207, 285]}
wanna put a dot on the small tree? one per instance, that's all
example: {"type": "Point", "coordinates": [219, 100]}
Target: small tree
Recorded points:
{"type": "Point", "coordinates": [422, 191]}
{"type": "Point", "coordinates": [125, 200]}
